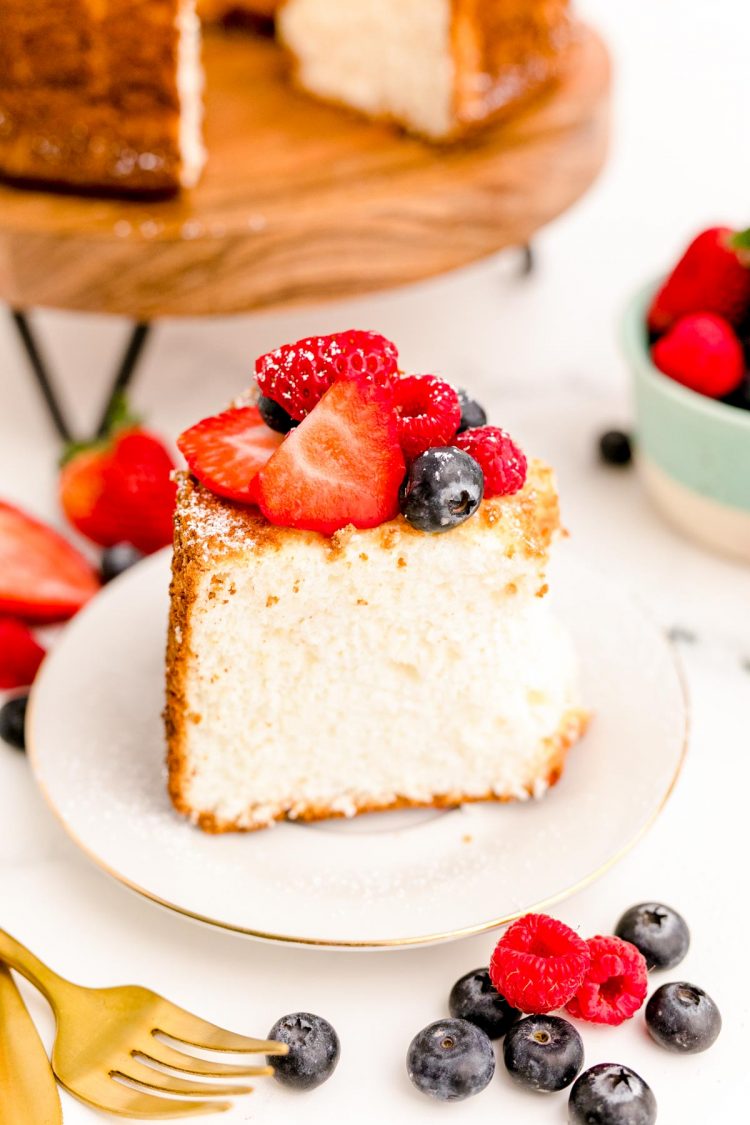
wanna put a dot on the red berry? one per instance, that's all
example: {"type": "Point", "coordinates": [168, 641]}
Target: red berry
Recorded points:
{"type": "Point", "coordinates": [296, 376]}
{"type": "Point", "coordinates": [503, 463]}
{"type": "Point", "coordinates": [42, 578]}
{"type": "Point", "coordinates": [20, 655]}
{"type": "Point", "coordinates": [429, 413]}
{"type": "Point", "coordinates": [703, 353]}
{"type": "Point", "coordinates": [140, 491]}
{"type": "Point", "coordinates": [615, 985]}
{"type": "Point", "coordinates": [342, 465]}
{"type": "Point", "coordinates": [227, 451]}
{"type": "Point", "coordinates": [539, 964]}
{"type": "Point", "coordinates": [120, 490]}
{"type": "Point", "coordinates": [710, 277]}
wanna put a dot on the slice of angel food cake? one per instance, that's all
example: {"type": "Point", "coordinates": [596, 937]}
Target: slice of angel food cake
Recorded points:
{"type": "Point", "coordinates": [358, 611]}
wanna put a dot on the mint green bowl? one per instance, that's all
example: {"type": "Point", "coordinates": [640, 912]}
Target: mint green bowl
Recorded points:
{"type": "Point", "coordinates": [693, 453]}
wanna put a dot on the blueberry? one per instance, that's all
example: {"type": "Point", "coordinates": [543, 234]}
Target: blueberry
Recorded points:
{"type": "Point", "coordinates": [610, 1094]}
{"type": "Point", "coordinates": [314, 1051]}
{"type": "Point", "coordinates": [544, 1053]}
{"type": "Point", "coordinates": [616, 448]}
{"type": "Point", "coordinates": [443, 487]}
{"type": "Point", "coordinates": [475, 998]}
{"type": "Point", "coordinates": [116, 560]}
{"type": "Point", "coordinates": [472, 414]}
{"type": "Point", "coordinates": [683, 1018]}
{"type": "Point", "coordinates": [275, 416]}
{"type": "Point", "coordinates": [13, 721]}
{"type": "Point", "coordinates": [450, 1060]}
{"type": "Point", "coordinates": [659, 932]}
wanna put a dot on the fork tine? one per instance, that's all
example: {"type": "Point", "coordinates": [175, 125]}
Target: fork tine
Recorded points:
{"type": "Point", "coordinates": [103, 1093]}
{"type": "Point", "coordinates": [187, 1028]}
{"type": "Point", "coordinates": [135, 1071]}
{"type": "Point", "coordinates": [160, 1052]}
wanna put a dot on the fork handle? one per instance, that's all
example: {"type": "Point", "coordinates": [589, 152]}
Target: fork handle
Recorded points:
{"type": "Point", "coordinates": [22, 959]}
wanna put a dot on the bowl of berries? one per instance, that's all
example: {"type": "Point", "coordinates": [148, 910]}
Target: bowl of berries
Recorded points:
{"type": "Point", "coordinates": [687, 341]}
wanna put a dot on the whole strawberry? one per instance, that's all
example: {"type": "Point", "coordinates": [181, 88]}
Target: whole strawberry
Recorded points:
{"type": "Point", "coordinates": [703, 353]}
{"type": "Point", "coordinates": [119, 490]}
{"type": "Point", "coordinates": [713, 276]}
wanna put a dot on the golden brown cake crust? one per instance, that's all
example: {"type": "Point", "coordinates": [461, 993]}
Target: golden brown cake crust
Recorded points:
{"type": "Point", "coordinates": [208, 529]}
{"type": "Point", "coordinates": [88, 93]}
{"type": "Point", "coordinates": [505, 51]}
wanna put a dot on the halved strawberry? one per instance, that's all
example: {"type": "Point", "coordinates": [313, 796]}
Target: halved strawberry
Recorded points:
{"type": "Point", "coordinates": [342, 465]}
{"type": "Point", "coordinates": [42, 578]}
{"type": "Point", "coordinates": [227, 451]}
{"type": "Point", "coordinates": [20, 654]}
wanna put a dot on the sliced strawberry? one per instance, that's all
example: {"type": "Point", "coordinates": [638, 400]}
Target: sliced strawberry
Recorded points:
{"type": "Point", "coordinates": [227, 451]}
{"type": "Point", "coordinates": [20, 655]}
{"type": "Point", "coordinates": [342, 465]}
{"type": "Point", "coordinates": [42, 578]}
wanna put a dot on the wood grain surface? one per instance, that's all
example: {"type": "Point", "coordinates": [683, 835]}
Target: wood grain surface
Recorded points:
{"type": "Point", "coordinates": [302, 202]}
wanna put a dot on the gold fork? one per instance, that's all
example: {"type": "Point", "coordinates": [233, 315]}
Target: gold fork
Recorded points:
{"type": "Point", "coordinates": [107, 1038]}
{"type": "Point", "coordinates": [27, 1085]}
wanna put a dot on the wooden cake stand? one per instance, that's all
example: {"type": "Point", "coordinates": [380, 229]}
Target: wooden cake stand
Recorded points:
{"type": "Point", "coordinates": [300, 202]}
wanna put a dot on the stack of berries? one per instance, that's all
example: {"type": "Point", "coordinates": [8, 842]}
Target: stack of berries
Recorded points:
{"type": "Point", "coordinates": [339, 436]}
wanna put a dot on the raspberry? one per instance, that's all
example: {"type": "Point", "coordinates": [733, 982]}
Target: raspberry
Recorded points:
{"type": "Point", "coordinates": [296, 376]}
{"type": "Point", "coordinates": [429, 413]}
{"type": "Point", "coordinates": [503, 463]}
{"type": "Point", "coordinates": [539, 964]}
{"type": "Point", "coordinates": [615, 985]}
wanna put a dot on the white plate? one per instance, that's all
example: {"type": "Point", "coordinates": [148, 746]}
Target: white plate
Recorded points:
{"type": "Point", "coordinates": [389, 879]}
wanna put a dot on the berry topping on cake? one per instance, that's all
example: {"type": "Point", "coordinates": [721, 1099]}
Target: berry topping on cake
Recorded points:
{"type": "Point", "coordinates": [441, 490]}
{"type": "Point", "coordinates": [296, 376]}
{"type": "Point", "coordinates": [615, 985]}
{"type": "Point", "coordinates": [42, 578]}
{"type": "Point", "coordinates": [429, 413]}
{"type": "Point", "coordinates": [227, 451]}
{"type": "Point", "coordinates": [683, 1018]}
{"type": "Point", "coordinates": [20, 655]}
{"type": "Point", "coordinates": [472, 414]}
{"type": "Point", "coordinates": [539, 964]}
{"type": "Point", "coordinates": [275, 416]}
{"type": "Point", "coordinates": [711, 277]}
{"type": "Point", "coordinates": [703, 353]}
{"type": "Point", "coordinates": [503, 464]}
{"type": "Point", "coordinates": [658, 931]}
{"type": "Point", "coordinates": [342, 465]}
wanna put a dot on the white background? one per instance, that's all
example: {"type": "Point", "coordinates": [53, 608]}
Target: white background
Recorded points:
{"type": "Point", "coordinates": [543, 356]}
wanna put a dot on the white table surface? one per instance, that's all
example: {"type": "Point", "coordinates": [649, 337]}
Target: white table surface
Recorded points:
{"type": "Point", "coordinates": [543, 356]}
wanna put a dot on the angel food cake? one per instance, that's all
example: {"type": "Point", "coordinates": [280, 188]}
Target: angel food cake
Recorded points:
{"type": "Point", "coordinates": [108, 94]}
{"type": "Point", "coordinates": [359, 617]}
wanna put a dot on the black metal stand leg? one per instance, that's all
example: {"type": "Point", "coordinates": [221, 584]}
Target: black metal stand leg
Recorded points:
{"type": "Point", "coordinates": [123, 376]}
{"type": "Point", "coordinates": [126, 371]}
{"type": "Point", "coordinates": [39, 370]}
{"type": "Point", "coordinates": [528, 263]}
